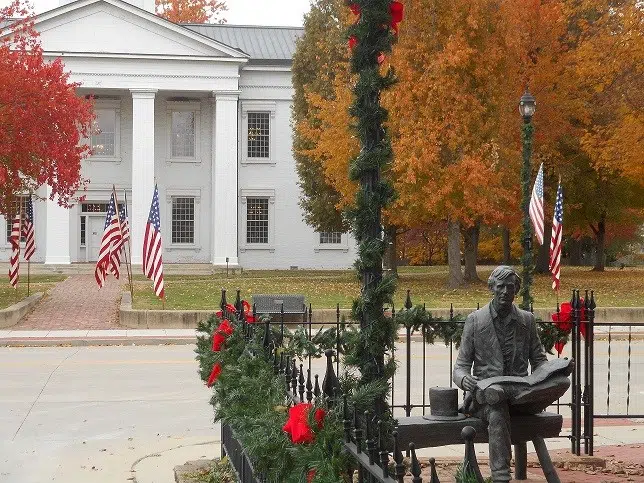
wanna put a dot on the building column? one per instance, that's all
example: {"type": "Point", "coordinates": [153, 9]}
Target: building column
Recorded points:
{"type": "Point", "coordinates": [224, 180]}
{"type": "Point", "coordinates": [142, 166]}
{"type": "Point", "coordinates": [57, 249]}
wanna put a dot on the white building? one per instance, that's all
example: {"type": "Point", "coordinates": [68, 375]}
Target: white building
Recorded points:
{"type": "Point", "coordinates": [203, 111]}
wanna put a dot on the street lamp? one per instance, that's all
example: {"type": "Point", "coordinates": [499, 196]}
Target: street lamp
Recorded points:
{"type": "Point", "coordinates": [527, 106]}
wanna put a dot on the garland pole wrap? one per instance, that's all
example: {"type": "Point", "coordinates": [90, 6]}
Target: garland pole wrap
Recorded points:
{"type": "Point", "coordinates": [370, 38]}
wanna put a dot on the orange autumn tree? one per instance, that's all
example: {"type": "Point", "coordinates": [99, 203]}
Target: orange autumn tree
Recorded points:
{"type": "Point", "coordinates": [605, 168]}
{"type": "Point", "coordinates": [191, 11]}
{"type": "Point", "coordinates": [42, 120]}
{"type": "Point", "coordinates": [319, 52]}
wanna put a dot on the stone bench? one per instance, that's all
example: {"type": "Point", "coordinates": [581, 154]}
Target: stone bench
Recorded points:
{"type": "Point", "coordinates": [426, 433]}
{"type": "Point", "coordinates": [274, 303]}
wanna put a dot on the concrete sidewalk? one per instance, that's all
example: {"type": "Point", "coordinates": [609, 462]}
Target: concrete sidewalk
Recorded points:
{"type": "Point", "coordinates": [84, 337]}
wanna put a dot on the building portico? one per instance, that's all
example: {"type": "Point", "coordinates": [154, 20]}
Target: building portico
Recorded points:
{"type": "Point", "coordinates": [204, 112]}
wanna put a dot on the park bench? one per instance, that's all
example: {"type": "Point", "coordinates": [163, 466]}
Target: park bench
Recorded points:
{"type": "Point", "coordinates": [426, 433]}
{"type": "Point", "coordinates": [275, 303]}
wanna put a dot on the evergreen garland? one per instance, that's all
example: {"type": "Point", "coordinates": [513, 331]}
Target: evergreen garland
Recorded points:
{"type": "Point", "coordinates": [526, 259]}
{"type": "Point", "coordinates": [251, 398]}
{"type": "Point", "coordinates": [373, 349]}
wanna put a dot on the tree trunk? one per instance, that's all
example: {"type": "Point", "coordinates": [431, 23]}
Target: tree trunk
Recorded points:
{"type": "Point", "coordinates": [543, 251]}
{"type": "Point", "coordinates": [455, 278]}
{"type": "Point", "coordinates": [471, 239]}
{"type": "Point", "coordinates": [507, 252]}
{"type": "Point", "coordinates": [390, 260]}
{"type": "Point", "coordinates": [600, 240]}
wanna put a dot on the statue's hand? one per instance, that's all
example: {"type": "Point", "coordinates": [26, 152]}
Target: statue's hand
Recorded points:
{"type": "Point", "coordinates": [469, 383]}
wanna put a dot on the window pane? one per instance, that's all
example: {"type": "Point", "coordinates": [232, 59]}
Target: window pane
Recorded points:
{"type": "Point", "coordinates": [19, 202]}
{"type": "Point", "coordinates": [82, 230]}
{"type": "Point", "coordinates": [329, 237]}
{"type": "Point", "coordinates": [183, 134]}
{"type": "Point", "coordinates": [258, 134]}
{"type": "Point", "coordinates": [103, 139]}
{"type": "Point", "coordinates": [94, 208]}
{"type": "Point", "coordinates": [257, 220]}
{"type": "Point", "coordinates": [183, 220]}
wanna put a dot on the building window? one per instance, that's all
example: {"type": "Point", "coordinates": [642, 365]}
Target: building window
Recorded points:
{"type": "Point", "coordinates": [183, 121]}
{"type": "Point", "coordinates": [183, 220]}
{"type": "Point", "coordinates": [94, 208]}
{"type": "Point", "coordinates": [257, 220]}
{"type": "Point", "coordinates": [330, 237]}
{"type": "Point", "coordinates": [103, 139]}
{"type": "Point", "coordinates": [83, 230]}
{"type": "Point", "coordinates": [183, 134]}
{"type": "Point", "coordinates": [19, 206]}
{"type": "Point", "coordinates": [259, 134]}
{"type": "Point", "coordinates": [257, 128]}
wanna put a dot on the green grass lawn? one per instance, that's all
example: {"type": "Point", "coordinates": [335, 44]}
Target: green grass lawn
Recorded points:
{"type": "Point", "coordinates": [37, 283]}
{"type": "Point", "coordinates": [325, 289]}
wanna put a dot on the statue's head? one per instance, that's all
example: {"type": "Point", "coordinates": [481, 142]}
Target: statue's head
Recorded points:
{"type": "Point", "coordinates": [504, 283]}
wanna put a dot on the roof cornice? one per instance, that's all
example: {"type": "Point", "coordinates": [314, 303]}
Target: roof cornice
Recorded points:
{"type": "Point", "coordinates": [161, 22]}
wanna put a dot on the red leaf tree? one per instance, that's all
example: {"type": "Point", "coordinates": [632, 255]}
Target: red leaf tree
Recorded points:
{"type": "Point", "coordinates": [42, 120]}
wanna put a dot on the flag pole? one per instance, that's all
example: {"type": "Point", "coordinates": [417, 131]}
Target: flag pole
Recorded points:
{"type": "Point", "coordinates": [19, 236]}
{"type": "Point", "coordinates": [28, 261]}
{"type": "Point", "coordinates": [128, 264]}
{"type": "Point", "coordinates": [116, 209]}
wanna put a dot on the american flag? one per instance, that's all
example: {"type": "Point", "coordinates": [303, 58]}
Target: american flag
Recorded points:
{"type": "Point", "coordinates": [118, 248]}
{"type": "Point", "coordinates": [555, 241]}
{"type": "Point", "coordinates": [536, 206]}
{"type": "Point", "coordinates": [28, 230]}
{"type": "Point", "coordinates": [152, 258]}
{"type": "Point", "coordinates": [14, 265]}
{"type": "Point", "coordinates": [111, 238]}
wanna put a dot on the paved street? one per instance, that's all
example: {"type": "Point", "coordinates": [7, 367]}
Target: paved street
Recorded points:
{"type": "Point", "coordinates": [87, 414]}
{"type": "Point", "coordinates": [104, 414]}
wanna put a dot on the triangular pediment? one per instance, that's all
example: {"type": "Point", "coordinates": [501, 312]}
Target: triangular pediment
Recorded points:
{"type": "Point", "coordinates": [115, 27]}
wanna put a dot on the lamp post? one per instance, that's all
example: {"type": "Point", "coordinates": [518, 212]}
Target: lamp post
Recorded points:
{"type": "Point", "coordinates": [527, 106]}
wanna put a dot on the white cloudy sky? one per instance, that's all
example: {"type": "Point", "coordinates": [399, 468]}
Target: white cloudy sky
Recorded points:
{"type": "Point", "coordinates": [240, 12]}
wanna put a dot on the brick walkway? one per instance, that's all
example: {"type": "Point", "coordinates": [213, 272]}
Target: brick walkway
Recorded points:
{"type": "Point", "coordinates": [76, 303]}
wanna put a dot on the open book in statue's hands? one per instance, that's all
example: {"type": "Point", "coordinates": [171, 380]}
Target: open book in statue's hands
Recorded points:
{"type": "Point", "coordinates": [540, 374]}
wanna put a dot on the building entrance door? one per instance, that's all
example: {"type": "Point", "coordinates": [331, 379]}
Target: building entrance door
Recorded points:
{"type": "Point", "coordinates": [96, 224]}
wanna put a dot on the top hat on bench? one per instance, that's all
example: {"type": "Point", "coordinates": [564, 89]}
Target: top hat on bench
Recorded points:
{"type": "Point", "coordinates": [443, 403]}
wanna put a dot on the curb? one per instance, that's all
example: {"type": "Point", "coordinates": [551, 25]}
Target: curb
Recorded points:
{"type": "Point", "coordinates": [12, 314]}
{"type": "Point", "coordinates": [96, 341]}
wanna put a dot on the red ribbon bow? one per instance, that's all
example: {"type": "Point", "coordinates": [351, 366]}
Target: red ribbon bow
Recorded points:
{"type": "Point", "coordinates": [297, 424]}
{"type": "Point", "coordinates": [219, 336]}
{"type": "Point", "coordinates": [396, 10]}
{"type": "Point", "coordinates": [214, 374]}
{"type": "Point", "coordinates": [248, 314]}
{"type": "Point", "coordinates": [563, 319]}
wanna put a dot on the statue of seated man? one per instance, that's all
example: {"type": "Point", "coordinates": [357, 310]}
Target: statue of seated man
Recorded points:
{"type": "Point", "coordinates": [492, 367]}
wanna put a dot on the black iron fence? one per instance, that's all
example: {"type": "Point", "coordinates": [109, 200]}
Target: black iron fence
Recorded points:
{"type": "Point", "coordinates": [411, 381]}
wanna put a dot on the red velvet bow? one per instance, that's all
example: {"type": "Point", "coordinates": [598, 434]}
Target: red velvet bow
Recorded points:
{"type": "Point", "coordinates": [297, 424]}
{"type": "Point", "coordinates": [310, 475]}
{"type": "Point", "coordinates": [248, 315]}
{"type": "Point", "coordinates": [214, 374]}
{"type": "Point", "coordinates": [559, 346]}
{"type": "Point", "coordinates": [353, 41]}
{"type": "Point", "coordinates": [355, 9]}
{"type": "Point", "coordinates": [563, 320]}
{"type": "Point", "coordinates": [230, 308]}
{"type": "Point", "coordinates": [396, 10]}
{"type": "Point", "coordinates": [219, 336]}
